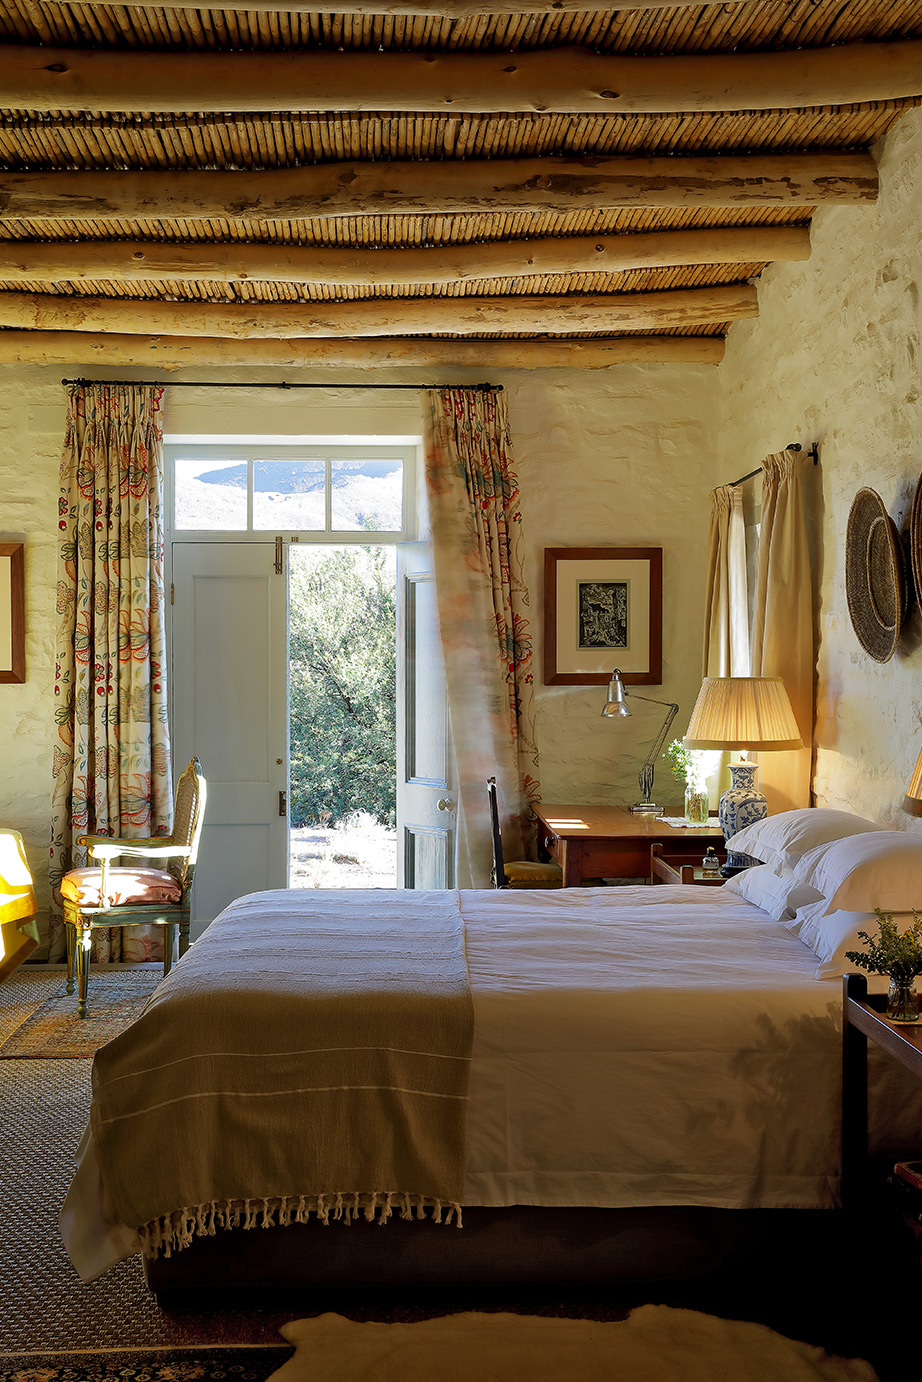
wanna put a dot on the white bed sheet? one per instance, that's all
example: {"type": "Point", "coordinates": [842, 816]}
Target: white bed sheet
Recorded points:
{"type": "Point", "coordinates": [633, 1046]}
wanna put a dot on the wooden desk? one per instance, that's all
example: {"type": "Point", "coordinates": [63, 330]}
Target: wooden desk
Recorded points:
{"type": "Point", "coordinates": [682, 868]}
{"type": "Point", "coordinates": [610, 842]}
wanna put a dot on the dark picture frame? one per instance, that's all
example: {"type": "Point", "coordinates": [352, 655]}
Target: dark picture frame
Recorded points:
{"type": "Point", "coordinates": [603, 608]}
{"type": "Point", "coordinates": [12, 613]}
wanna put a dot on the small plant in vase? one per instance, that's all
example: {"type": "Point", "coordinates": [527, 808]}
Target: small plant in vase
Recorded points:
{"type": "Point", "coordinates": [898, 954]}
{"type": "Point", "coordinates": [690, 766]}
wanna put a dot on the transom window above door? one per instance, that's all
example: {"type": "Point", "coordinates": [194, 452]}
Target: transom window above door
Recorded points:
{"type": "Point", "coordinates": [339, 489]}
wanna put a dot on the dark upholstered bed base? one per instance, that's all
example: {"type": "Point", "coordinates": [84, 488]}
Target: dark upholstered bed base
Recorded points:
{"type": "Point", "coordinates": [520, 1245]}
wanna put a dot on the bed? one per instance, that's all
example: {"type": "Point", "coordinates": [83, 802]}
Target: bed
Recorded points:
{"type": "Point", "coordinates": [645, 1075]}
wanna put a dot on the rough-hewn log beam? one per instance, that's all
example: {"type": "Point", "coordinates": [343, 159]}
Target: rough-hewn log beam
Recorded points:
{"type": "Point", "coordinates": [38, 261]}
{"type": "Point", "coordinates": [87, 349]}
{"type": "Point", "coordinates": [472, 316]}
{"type": "Point", "coordinates": [437, 9]}
{"type": "Point", "coordinates": [562, 79]}
{"type": "Point", "coordinates": [441, 188]}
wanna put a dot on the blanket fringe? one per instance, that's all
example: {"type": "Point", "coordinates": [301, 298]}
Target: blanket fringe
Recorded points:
{"type": "Point", "coordinates": [172, 1232]}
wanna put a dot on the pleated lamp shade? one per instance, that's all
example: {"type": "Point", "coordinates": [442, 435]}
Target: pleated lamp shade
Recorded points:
{"type": "Point", "coordinates": [912, 801]}
{"type": "Point", "coordinates": [743, 713]}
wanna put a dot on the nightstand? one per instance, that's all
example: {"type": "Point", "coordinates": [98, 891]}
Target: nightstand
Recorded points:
{"type": "Point", "coordinates": [682, 868]}
{"type": "Point", "coordinates": [863, 1021]}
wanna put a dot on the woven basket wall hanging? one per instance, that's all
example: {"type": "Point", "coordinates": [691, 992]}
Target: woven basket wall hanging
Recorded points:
{"type": "Point", "coordinates": [915, 541]}
{"type": "Point", "coordinates": [874, 579]}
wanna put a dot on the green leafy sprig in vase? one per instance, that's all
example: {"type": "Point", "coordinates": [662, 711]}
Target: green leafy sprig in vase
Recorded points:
{"type": "Point", "coordinates": [898, 954]}
{"type": "Point", "coordinates": [690, 766]}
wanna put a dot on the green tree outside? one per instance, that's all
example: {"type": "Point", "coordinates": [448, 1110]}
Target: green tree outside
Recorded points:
{"type": "Point", "coordinates": [342, 684]}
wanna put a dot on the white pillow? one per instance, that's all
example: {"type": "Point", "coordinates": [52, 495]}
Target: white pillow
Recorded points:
{"type": "Point", "coordinates": [781, 840]}
{"type": "Point", "coordinates": [830, 934]}
{"type": "Point", "coordinates": [882, 868]}
{"type": "Point", "coordinates": [778, 894]}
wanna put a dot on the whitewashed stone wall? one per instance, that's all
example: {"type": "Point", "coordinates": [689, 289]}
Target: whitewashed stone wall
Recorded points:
{"type": "Point", "coordinates": [623, 457]}
{"type": "Point", "coordinates": [835, 356]}
{"type": "Point", "coordinates": [31, 433]}
{"type": "Point", "coordinates": [620, 458]}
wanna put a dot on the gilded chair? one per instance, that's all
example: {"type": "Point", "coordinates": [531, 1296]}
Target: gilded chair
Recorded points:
{"type": "Point", "coordinates": [97, 897]}
{"type": "Point", "coordinates": [522, 873]}
{"type": "Point", "coordinates": [18, 927]}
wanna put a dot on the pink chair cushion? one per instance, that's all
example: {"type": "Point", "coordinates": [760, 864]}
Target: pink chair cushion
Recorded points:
{"type": "Point", "coordinates": [125, 886]}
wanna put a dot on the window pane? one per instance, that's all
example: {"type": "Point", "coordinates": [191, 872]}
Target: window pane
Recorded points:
{"type": "Point", "coordinates": [367, 495]}
{"type": "Point", "coordinates": [210, 494]}
{"type": "Point", "coordinates": [289, 494]}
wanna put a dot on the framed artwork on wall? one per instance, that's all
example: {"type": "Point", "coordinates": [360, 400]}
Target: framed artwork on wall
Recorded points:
{"type": "Point", "coordinates": [12, 613]}
{"type": "Point", "coordinates": [603, 608]}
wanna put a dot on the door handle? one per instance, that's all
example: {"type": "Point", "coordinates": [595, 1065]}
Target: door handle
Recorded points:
{"type": "Point", "coordinates": [283, 803]}
{"type": "Point", "coordinates": [446, 804]}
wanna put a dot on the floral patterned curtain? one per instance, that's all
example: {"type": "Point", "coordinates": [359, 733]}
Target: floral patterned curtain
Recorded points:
{"type": "Point", "coordinates": [482, 600]}
{"type": "Point", "coordinates": [111, 766]}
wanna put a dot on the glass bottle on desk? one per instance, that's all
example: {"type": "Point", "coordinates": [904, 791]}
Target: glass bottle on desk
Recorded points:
{"type": "Point", "coordinates": [710, 864]}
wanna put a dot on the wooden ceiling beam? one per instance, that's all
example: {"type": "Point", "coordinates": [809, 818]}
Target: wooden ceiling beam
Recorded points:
{"type": "Point", "coordinates": [467, 316]}
{"type": "Point", "coordinates": [441, 187]}
{"type": "Point", "coordinates": [38, 261]}
{"type": "Point", "coordinates": [452, 10]}
{"type": "Point", "coordinates": [574, 80]}
{"type": "Point", "coordinates": [89, 350]}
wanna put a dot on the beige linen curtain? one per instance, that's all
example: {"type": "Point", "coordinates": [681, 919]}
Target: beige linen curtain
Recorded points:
{"type": "Point", "coordinates": [483, 618]}
{"type": "Point", "coordinates": [726, 630]}
{"type": "Point", "coordinates": [783, 642]}
{"type": "Point", "coordinates": [111, 766]}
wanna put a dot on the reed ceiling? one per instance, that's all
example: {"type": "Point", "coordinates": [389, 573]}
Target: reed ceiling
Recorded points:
{"type": "Point", "coordinates": [524, 187]}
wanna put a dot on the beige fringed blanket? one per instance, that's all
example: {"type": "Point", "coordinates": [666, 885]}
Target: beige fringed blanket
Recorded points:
{"type": "Point", "coordinates": [305, 1058]}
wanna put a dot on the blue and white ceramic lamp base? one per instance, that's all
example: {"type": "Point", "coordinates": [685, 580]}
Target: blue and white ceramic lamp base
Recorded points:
{"type": "Point", "coordinates": [742, 804]}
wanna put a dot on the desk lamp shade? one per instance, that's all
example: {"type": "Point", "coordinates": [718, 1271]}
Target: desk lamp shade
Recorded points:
{"type": "Point", "coordinates": [745, 713]}
{"type": "Point", "coordinates": [912, 801]}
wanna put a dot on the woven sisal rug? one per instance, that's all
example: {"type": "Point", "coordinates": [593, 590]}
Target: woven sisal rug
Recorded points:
{"type": "Point", "coordinates": [242, 1364]}
{"type": "Point", "coordinates": [54, 1031]}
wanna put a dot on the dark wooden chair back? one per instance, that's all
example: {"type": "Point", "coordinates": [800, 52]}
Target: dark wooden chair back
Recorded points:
{"type": "Point", "coordinates": [499, 872]}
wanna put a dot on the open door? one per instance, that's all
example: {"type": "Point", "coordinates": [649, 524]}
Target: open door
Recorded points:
{"type": "Point", "coordinates": [426, 803]}
{"type": "Point", "coordinates": [229, 696]}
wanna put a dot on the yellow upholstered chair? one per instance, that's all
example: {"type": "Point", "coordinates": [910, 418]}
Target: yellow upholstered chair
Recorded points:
{"type": "Point", "coordinates": [522, 873]}
{"type": "Point", "coordinates": [104, 896]}
{"type": "Point", "coordinates": [18, 928]}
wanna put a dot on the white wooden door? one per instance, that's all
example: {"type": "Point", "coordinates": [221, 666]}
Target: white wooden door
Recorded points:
{"type": "Point", "coordinates": [229, 706]}
{"type": "Point", "coordinates": [426, 810]}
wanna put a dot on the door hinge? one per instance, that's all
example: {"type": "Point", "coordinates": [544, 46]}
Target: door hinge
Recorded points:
{"type": "Point", "coordinates": [283, 803]}
{"type": "Point", "coordinates": [172, 593]}
{"type": "Point", "coordinates": [279, 558]}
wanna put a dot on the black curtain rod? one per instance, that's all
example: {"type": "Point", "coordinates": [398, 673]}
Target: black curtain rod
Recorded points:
{"type": "Point", "coordinates": [195, 384]}
{"type": "Point", "coordinates": [791, 446]}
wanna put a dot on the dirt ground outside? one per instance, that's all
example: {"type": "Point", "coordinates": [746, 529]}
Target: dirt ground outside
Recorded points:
{"type": "Point", "coordinates": [355, 853]}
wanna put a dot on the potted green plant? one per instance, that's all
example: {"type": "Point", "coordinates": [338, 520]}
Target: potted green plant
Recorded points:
{"type": "Point", "coordinates": [898, 954]}
{"type": "Point", "coordinates": [690, 766]}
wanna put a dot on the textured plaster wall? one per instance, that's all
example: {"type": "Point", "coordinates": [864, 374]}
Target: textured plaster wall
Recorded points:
{"type": "Point", "coordinates": [623, 457]}
{"type": "Point", "coordinates": [31, 432]}
{"type": "Point", "coordinates": [835, 356]}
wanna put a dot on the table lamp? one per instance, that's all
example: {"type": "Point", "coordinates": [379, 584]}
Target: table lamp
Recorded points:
{"type": "Point", "coordinates": [748, 714]}
{"type": "Point", "coordinates": [616, 706]}
{"type": "Point", "coordinates": [912, 801]}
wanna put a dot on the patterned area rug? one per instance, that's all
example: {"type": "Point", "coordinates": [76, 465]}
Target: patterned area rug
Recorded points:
{"type": "Point", "coordinates": [146, 1365]}
{"type": "Point", "coordinates": [54, 1031]}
